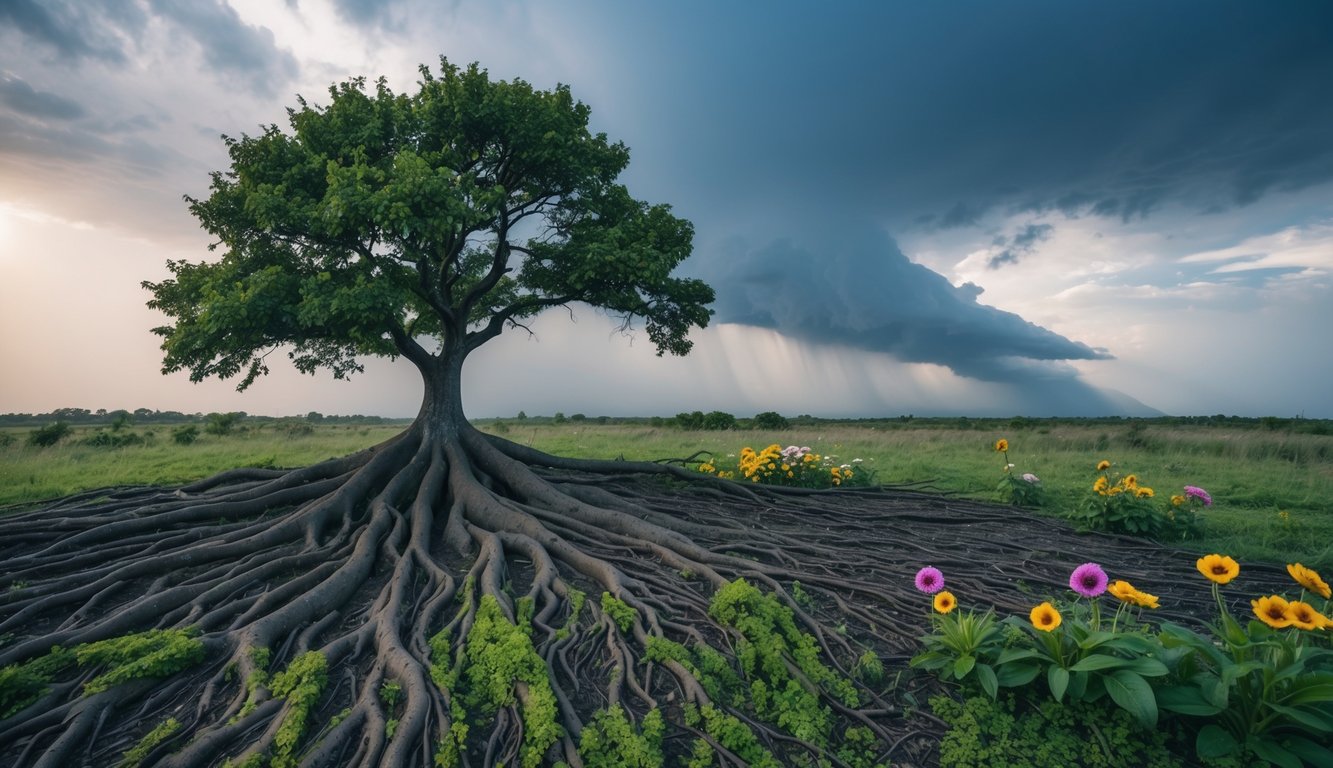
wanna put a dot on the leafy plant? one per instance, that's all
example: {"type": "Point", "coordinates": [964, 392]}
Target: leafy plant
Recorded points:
{"type": "Point", "coordinates": [794, 466]}
{"type": "Point", "coordinates": [1020, 490]}
{"type": "Point", "coordinates": [49, 435]}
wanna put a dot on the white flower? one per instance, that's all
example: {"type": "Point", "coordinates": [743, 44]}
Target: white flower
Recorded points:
{"type": "Point", "coordinates": [1031, 478]}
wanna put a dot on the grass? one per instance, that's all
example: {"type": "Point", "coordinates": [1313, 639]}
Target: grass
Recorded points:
{"type": "Point", "coordinates": [1271, 486]}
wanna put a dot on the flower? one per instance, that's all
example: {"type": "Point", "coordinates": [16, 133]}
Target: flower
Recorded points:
{"type": "Point", "coordinates": [1304, 616]}
{"type": "Point", "coordinates": [1126, 593]}
{"type": "Point", "coordinates": [945, 602]}
{"type": "Point", "coordinates": [1199, 494]}
{"type": "Point", "coordinates": [1218, 568]}
{"type": "Point", "coordinates": [1272, 610]}
{"type": "Point", "coordinates": [1130, 482]}
{"type": "Point", "coordinates": [1103, 465]}
{"type": "Point", "coordinates": [1100, 485]}
{"type": "Point", "coordinates": [1144, 492]}
{"type": "Point", "coordinates": [1001, 445]}
{"type": "Point", "coordinates": [1308, 579]}
{"type": "Point", "coordinates": [929, 580]}
{"type": "Point", "coordinates": [1088, 580]}
{"type": "Point", "coordinates": [1031, 478]}
{"type": "Point", "coordinates": [1045, 617]}
{"type": "Point", "coordinates": [1177, 500]}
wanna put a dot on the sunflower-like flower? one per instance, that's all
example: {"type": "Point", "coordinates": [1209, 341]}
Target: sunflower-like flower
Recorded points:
{"type": "Point", "coordinates": [1177, 500]}
{"type": "Point", "coordinates": [1100, 485]}
{"type": "Point", "coordinates": [1218, 568]}
{"type": "Point", "coordinates": [1143, 492]}
{"type": "Point", "coordinates": [1307, 578]}
{"type": "Point", "coordinates": [1001, 445]}
{"type": "Point", "coordinates": [1304, 616]}
{"type": "Point", "coordinates": [1126, 593]}
{"type": "Point", "coordinates": [1103, 465]}
{"type": "Point", "coordinates": [1272, 610]}
{"type": "Point", "coordinates": [1045, 617]}
{"type": "Point", "coordinates": [945, 602]}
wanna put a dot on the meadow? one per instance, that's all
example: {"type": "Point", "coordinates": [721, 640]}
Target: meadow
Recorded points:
{"type": "Point", "coordinates": [1272, 482]}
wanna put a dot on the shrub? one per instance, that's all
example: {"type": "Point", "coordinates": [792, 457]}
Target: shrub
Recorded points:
{"type": "Point", "coordinates": [185, 434]}
{"type": "Point", "coordinates": [1123, 504]}
{"type": "Point", "coordinates": [48, 435]}
{"type": "Point", "coordinates": [770, 420]}
{"type": "Point", "coordinates": [793, 466]}
{"type": "Point", "coordinates": [221, 423]}
{"type": "Point", "coordinates": [718, 421]}
{"type": "Point", "coordinates": [1020, 490]}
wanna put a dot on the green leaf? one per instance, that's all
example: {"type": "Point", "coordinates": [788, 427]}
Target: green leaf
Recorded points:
{"type": "Point", "coordinates": [1134, 695]}
{"type": "Point", "coordinates": [963, 666]}
{"type": "Point", "coordinates": [1058, 679]}
{"type": "Point", "coordinates": [1186, 700]}
{"type": "Point", "coordinates": [1098, 661]}
{"type": "Point", "coordinates": [1270, 750]}
{"type": "Point", "coordinates": [1313, 719]}
{"type": "Point", "coordinates": [1017, 674]}
{"type": "Point", "coordinates": [989, 683]}
{"type": "Point", "coordinates": [1214, 742]}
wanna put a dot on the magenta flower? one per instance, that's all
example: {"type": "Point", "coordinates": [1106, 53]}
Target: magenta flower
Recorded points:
{"type": "Point", "coordinates": [1088, 580]}
{"type": "Point", "coordinates": [1199, 494]}
{"type": "Point", "coordinates": [929, 580]}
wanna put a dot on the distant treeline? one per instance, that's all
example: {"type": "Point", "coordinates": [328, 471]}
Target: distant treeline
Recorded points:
{"type": "Point", "coordinates": [145, 416]}
{"type": "Point", "coordinates": [771, 420]}
{"type": "Point", "coordinates": [694, 420]}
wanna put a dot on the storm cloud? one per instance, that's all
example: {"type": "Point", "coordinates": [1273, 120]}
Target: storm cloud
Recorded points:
{"type": "Point", "coordinates": [858, 290]}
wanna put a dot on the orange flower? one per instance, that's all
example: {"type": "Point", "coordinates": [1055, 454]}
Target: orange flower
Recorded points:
{"type": "Point", "coordinates": [1103, 465]}
{"type": "Point", "coordinates": [1126, 593]}
{"type": "Point", "coordinates": [1001, 445]}
{"type": "Point", "coordinates": [1218, 568]}
{"type": "Point", "coordinates": [945, 602]}
{"type": "Point", "coordinates": [1272, 610]}
{"type": "Point", "coordinates": [1307, 578]}
{"type": "Point", "coordinates": [1304, 616]}
{"type": "Point", "coordinates": [1045, 617]}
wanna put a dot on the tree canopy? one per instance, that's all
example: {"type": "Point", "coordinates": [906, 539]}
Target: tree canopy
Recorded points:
{"type": "Point", "coordinates": [420, 225]}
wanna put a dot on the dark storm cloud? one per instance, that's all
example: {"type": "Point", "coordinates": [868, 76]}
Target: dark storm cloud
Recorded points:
{"type": "Point", "coordinates": [942, 112]}
{"type": "Point", "coordinates": [230, 45]}
{"type": "Point", "coordinates": [369, 13]}
{"type": "Point", "coordinates": [23, 98]}
{"type": "Point", "coordinates": [1019, 246]}
{"type": "Point", "coordinates": [75, 29]}
{"type": "Point", "coordinates": [859, 290]}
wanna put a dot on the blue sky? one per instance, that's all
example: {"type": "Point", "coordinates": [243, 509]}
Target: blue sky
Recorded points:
{"type": "Point", "coordinates": [1039, 208]}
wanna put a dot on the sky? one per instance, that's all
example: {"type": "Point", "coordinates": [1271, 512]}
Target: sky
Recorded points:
{"type": "Point", "coordinates": [962, 208]}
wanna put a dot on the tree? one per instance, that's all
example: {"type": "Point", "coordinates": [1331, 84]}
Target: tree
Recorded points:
{"type": "Point", "coordinates": [510, 600]}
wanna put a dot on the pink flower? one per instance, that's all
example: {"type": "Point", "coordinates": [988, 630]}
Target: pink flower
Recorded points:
{"type": "Point", "coordinates": [929, 580]}
{"type": "Point", "coordinates": [1088, 580]}
{"type": "Point", "coordinates": [1199, 494]}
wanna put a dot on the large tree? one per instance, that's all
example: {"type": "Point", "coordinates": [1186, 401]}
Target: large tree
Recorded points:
{"type": "Point", "coordinates": [449, 597]}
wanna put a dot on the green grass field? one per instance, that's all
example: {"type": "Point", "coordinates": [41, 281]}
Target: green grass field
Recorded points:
{"type": "Point", "coordinates": [1272, 487]}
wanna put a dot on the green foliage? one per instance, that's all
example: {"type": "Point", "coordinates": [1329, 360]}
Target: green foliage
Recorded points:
{"type": "Point", "coordinates": [731, 733]}
{"type": "Point", "coordinates": [154, 653]}
{"type": "Point", "coordinates": [301, 684]}
{"type": "Point", "coordinates": [23, 684]}
{"type": "Point", "coordinates": [49, 435]}
{"type": "Point", "coordinates": [390, 692]}
{"type": "Point", "coordinates": [869, 669]}
{"type": "Point", "coordinates": [771, 640]}
{"type": "Point", "coordinates": [770, 420]}
{"type": "Point", "coordinates": [139, 752]}
{"type": "Point", "coordinates": [104, 439]}
{"type": "Point", "coordinates": [701, 755]}
{"type": "Point", "coordinates": [497, 656]}
{"type": "Point", "coordinates": [621, 613]}
{"type": "Point", "coordinates": [383, 218]}
{"type": "Point", "coordinates": [610, 740]}
{"type": "Point", "coordinates": [1009, 733]}
{"type": "Point", "coordinates": [221, 423]}
{"type": "Point", "coordinates": [964, 644]}
{"type": "Point", "coordinates": [576, 601]}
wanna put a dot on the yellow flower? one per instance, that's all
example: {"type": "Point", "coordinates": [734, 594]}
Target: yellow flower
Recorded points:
{"type": "Point", "coordinates": [1103, 465]}
{"type": "Point", "coordinates": [1001, 445]}
{"type": "Point", "coordinates": [1177, 500]}
{"type": "Point", "coordinates": [1218, 568]}
{"type": "Point", "coordinates": [945, 602]}
{"type": "Point", "coordinates": [1272, 610]}
{"type": "Point", "coordinates": [1130, 481]}
{"type": "Point", "coordinates": [1045, 617]}
{"type": "Point", "coordinates": [1308, 579]}
{"type": "Point", "coordinates": [706, 467]}
{"type": "Point", "coordinates": [1304, 616]}
{"type": "Point", "coordinates": [1126, 593]}
{"type": "Point", "coordinates": [1100, 485]}
{"type": "Point", "coordinates": [1144, 492]}
{"type": "Point", "coordinates": [809, 457]}
{"type": "Point", "coordinates": [786, 467]}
